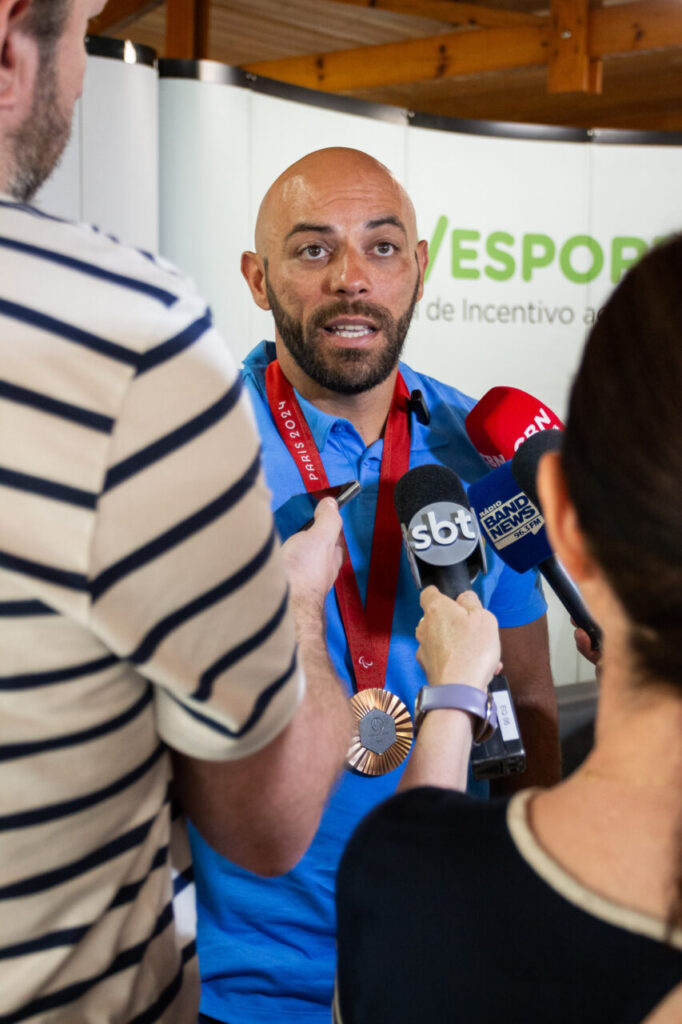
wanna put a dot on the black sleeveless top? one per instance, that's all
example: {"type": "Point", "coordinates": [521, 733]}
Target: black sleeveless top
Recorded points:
{"type": "Point", "coordinates": [442, 919]}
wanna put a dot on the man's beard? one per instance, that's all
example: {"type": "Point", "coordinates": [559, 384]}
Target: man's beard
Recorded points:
{"type": "Point", "coordinates": [39, 141]}
{"type": "Point", "coordinates": [347, 371]}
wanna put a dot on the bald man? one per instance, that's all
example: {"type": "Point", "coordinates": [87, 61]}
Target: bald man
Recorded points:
{"type": "Point", "coordinates": [339, 264]}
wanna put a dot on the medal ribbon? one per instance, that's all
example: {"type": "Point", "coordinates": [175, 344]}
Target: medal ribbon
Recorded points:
{"type": "Point", "coordinates": [368, 629]}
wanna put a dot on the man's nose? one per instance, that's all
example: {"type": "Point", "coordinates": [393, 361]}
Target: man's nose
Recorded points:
{"type": "Point", "coordinates": [348, 275]}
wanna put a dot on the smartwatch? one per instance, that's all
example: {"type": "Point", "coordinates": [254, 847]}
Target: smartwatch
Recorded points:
{"type": "Point", "coordinates": [462, 698]}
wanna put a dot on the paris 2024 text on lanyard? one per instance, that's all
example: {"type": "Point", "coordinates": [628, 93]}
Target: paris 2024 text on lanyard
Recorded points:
{"type": "Point", "coordinates": [383, 726]}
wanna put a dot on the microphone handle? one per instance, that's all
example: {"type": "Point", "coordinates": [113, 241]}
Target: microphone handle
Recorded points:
{"type": "Point", "coordinates": [451, 580]}
{"type": "Point", "coordinates": [569, 595]}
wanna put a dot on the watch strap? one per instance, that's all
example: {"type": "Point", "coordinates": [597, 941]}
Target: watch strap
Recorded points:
{"type": "Point", "coordinates": [460, 697]}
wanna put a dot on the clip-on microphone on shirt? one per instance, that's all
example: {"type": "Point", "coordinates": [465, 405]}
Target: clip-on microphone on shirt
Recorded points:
{"type": "Point", "coordinates": [417, 405]}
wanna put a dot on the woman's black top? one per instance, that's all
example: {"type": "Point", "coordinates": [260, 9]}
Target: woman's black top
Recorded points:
{"type": "Point", "coordinates": [449, 911]}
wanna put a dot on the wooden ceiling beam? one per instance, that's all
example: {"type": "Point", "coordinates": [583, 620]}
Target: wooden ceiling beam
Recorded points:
{"type": "Point", "coordinates": [118, 13]}
{"type": "Point", "coordinates": [571, 69]}
{"type": "Point", "coordinates": [625, 28]}
{"type": "Point", "coordinates": [630, 28]}
{"type": "Point", "coordinates": [452, 12]}
{"type": "Point", "coordinates": [412, 60]}
{"type": "Point", "coordinates": [187, 29]}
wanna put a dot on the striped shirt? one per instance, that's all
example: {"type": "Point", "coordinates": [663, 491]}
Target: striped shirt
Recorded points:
{"type": "Point", "coordinates": [142, 604]}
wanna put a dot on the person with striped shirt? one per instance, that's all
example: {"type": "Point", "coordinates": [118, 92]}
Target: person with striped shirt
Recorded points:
{"type": "Point", "coordinates": [147, 633]}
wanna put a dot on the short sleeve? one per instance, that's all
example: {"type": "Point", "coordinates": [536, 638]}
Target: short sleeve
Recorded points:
{"type": "Point", "coordinates": [186, 578]}
{"type": "Point", "coordinates": [517, 598]}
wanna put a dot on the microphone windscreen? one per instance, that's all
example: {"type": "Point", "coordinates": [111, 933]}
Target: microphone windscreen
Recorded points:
{"type": "Point", "coordinates": [524, 464]}
{"type": "Point", "coordinates": [510, 520]}
{"type": "Point", "coordinates": [503, 419]}
{"type": "Point", "coordinates": [425, 485]}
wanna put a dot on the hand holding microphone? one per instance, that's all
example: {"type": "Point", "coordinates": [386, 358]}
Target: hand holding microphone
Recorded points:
{"type": "Point", "coordinates": [445, 551]}
{"type": "Point", "coordinates": [313, 557]}
{"type": "Point", "coordinates": [459, 641]}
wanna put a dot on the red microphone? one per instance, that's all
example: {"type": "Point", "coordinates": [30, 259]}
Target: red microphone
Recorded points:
{"type": "Point", "coordinates": [499, 424]}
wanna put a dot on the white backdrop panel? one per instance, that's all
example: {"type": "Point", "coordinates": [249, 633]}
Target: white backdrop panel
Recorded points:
{"type": "Point", "coordinates": [635, 194]}
{"type": "Point", "coordinates": [120, 150]}
{"type": "Point", "coordinates": [476, 196]}
{"type": "Point", "coordinates": [205, 176]}
{"type": "Point", "coordinates": [108, 175]}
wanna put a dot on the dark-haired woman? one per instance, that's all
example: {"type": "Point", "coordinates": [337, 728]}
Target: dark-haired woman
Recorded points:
{"type": "Point", "coordinates": [561, 906]}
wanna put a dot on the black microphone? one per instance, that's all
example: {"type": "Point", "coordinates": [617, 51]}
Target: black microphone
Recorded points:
{"type": "Point", "coordinates": [445, 549]}
{"type": "Point", "coordinates": [441, 535]}
{"type": "Point", "coordinates": [524, 467]}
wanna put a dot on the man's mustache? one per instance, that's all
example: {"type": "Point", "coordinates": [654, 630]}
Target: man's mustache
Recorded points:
{"type": "Point", "coordinates": [380, 317]}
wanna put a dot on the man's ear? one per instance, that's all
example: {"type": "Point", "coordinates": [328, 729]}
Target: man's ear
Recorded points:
{"type": "Point", "coordinates": [563, 529]}
{"type": "Point", "coordinates": [253, 271]}
{"type": "Point", "coordinates": [18, 58]}
{"type": "Point", "coordinates": [422, 261]}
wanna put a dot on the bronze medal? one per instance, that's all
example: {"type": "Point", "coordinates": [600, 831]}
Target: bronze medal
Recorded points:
{"type": "Point", "coordinates": [383, 732]}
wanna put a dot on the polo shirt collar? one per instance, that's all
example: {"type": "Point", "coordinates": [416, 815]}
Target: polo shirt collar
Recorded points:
{"type": "Point", "coordinates": [424, 437]}
{"type": "Point", "coordinates": [320, 423]}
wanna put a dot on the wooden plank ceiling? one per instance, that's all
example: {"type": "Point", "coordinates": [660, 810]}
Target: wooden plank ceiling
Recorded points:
{"type": "Point", "coordinates": [616, 64]}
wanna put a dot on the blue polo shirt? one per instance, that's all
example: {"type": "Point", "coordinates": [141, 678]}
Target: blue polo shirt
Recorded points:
{"type": "Point", "coordinates": [267, 946]}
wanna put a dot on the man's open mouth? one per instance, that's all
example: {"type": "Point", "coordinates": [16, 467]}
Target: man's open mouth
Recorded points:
{"type": "Point", "coordinates": [351, 329]}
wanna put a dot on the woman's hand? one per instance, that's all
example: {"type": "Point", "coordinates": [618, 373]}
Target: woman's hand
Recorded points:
{"type": "Point", "coordinates": [459, 641]}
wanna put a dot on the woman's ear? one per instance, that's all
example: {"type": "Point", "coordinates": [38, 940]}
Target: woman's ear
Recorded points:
{"type": "Point", "coordinates": [563, 529]}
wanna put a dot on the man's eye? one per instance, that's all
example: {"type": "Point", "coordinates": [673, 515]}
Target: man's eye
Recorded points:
{"type": "Point", "coordinates": [312, 252]}
{"type": "Point", "coordinates": [385, 248]}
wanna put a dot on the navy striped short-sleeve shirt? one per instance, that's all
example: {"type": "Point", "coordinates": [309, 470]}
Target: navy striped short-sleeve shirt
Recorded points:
{"type": "Point", "coordinates": [142, 605]}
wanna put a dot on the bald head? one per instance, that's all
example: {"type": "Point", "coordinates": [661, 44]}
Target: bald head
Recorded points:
{"type": "Point", "coordinates": [324, 177]}
{"type": "Point", "coordinates": [338, 262]}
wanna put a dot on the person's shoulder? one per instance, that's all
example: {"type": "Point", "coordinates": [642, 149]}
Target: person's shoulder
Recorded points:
{"type": "Point", "coordinates": [438, 391]}
{"type": "Point", "coordinates": [256, 363]}
{"type": "Point", "coordinates": [445, 436]}
{"type": "Point", "coordinates": [86, 250]}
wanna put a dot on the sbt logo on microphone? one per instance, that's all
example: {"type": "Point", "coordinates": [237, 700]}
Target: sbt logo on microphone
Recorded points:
{"type": "Point", "coordinates": [443, 533]}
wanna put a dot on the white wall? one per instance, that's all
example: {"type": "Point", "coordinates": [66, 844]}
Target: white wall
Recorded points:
{"type": "Point", "coordinates": [109, 174]}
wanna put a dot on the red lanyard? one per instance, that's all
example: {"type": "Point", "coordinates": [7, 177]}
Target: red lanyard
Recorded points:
{"type": "Point", "coordinates": [368, 629]}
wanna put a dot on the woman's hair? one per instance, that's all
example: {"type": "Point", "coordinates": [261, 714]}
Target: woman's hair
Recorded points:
{"type": "Point", "coordinates": [622, 459]}
{"type": "Point", "coordinates": [623, 454]}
